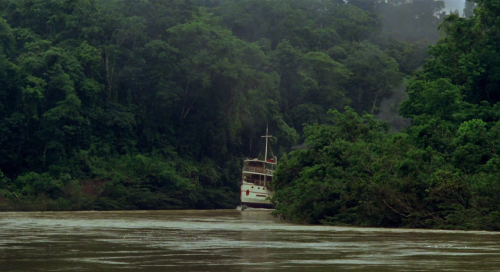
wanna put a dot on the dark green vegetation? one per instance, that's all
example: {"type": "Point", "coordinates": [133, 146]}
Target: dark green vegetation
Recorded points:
{"type": "Point", "coordinates": [153, 104]}
{"type": "Point", "coordinates": [442, 172]}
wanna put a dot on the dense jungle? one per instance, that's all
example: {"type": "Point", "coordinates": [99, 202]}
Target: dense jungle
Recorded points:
{"type": "Point", "coordinates": [151, 104]}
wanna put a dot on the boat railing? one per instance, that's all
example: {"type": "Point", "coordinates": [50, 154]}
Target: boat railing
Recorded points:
{"type": "Point", "coordinates": [258, 170]}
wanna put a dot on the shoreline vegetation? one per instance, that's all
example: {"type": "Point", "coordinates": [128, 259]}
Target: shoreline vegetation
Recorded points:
{"type": "Point", "coordinates": [150, 105]}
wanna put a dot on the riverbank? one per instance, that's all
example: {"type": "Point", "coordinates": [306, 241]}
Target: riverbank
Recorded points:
{"type": "Point", "coordinates": [4, 204]}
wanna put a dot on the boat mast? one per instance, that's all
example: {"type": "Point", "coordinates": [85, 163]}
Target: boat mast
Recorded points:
{"type": "Point", "coordinates": [265, 155]}
{"type": "Point", "coordinates": [267, 137]}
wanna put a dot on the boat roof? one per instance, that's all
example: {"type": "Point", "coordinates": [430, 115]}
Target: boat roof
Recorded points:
{"type": "Point", "coordinates": [259, 160]}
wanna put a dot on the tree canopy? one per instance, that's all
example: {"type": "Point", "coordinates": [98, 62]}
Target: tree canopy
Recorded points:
{"type": "Point", "coordinates": [127, 104]}
{"type": "Point", "coordinates": [443, 171]}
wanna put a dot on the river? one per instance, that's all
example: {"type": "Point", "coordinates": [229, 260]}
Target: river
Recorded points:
{"type": "Point", "coordinates": [228, 240]}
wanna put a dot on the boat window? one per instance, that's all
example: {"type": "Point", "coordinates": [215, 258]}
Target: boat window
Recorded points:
{"type": "Point", "coordinates": [254, 178]}
{"type": "Point", "coordinates": [260, 181]}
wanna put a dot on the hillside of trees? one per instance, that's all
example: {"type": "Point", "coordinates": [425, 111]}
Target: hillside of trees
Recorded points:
{"type": "Point", "coordinates": [152, 104]}
{"type": "Point", "coordinates": [443, 171]}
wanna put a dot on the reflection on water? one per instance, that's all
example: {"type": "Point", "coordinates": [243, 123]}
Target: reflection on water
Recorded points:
{"type": "Point", "coordinates": [229, 240]}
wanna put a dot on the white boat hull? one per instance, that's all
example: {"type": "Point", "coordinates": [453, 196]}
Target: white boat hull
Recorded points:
{"type": "Point", "coordinates": [255, 196]}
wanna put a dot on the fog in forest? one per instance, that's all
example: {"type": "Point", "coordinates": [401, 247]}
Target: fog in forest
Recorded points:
{"type": "Point", "coordinates": [422, 32]}
{"type": "Point", "coordinates": [452, 5]}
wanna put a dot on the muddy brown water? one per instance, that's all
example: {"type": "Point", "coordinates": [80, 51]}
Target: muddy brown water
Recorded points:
{"type": "Point", "coordinates": [228, 240]}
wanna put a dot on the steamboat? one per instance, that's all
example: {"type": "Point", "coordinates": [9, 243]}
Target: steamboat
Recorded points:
{"type": "Point", "coordinates": [257, 174]}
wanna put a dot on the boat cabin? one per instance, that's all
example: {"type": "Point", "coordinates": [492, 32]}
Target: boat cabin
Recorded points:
{"type": "Point", "coordinates": [258, 166]}
{"type": "Point", "coordinates": [259, 180]}
{"type": "Point", "coordinates": [258, 172]}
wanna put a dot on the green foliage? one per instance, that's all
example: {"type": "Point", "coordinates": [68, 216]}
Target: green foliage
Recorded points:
{"type": "Point", "coordinates": [369, 64]}
{"type": "Point", "coordinates": [126, 104]}
{"type": "Point", "coordinates": [442, 172]}
{"type": "Point", "coordinates": [355, 172]}
{"type": "Point", "coordinates": [329, 180]}
{"type": "Point", "coordinates": [432, 99]}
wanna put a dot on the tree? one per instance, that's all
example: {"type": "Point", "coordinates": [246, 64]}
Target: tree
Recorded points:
{"type": "Point", "coordinates": [369, 65]}
{"type": "Point", "coordinates": [469, 9]}
{"type": "Point", "coordinates": [187, 86]}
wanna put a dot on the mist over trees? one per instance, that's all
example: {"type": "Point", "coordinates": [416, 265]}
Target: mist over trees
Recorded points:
{"type": "Point", "coordinates": [127, 104]}
{"type": "Point", "coordinates": [409, 20]}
